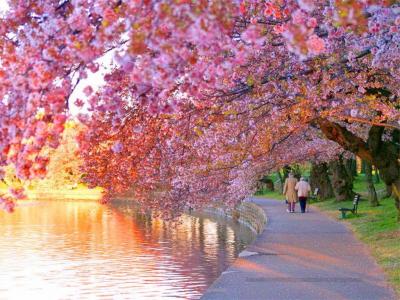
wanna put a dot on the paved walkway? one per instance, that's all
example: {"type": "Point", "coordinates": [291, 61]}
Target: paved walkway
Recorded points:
{"type": "Point", "coordinates": [301, 256]}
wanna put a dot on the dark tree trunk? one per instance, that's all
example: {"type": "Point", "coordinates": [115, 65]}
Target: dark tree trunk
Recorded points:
{"type": "Point", "coordinates": [268, 183]}
{"type": "Point", "coordinates": [349, 164]}
{"type": "Point", "coordinates": [377, 177]}
{"type": "Point", "coordinates": [319, 178]}
{"type": "Point", "coordinates": [342, 183]}
{"type": "Point", "coordinates": [389, 191]}
{"type": "Point", "coordinates": [383, 154]}
{"type": "Point", "coordinates": [363, 166]}
{"type": "Point", "coordinates": [354, 167]}
{"type": "Point", "coordinates": [373, 198]}
{"type": "Point", "coordinates": [395, 194]}
{"type": "Point", "coordinates": [397, 204]}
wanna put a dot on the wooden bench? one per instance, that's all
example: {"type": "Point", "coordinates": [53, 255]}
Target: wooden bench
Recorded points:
{"type": "Point", "coordinates": [353, 210]}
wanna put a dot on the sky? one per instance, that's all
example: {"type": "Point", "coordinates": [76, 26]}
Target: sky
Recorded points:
{"type": "Point", "coordinates": [3, 6]}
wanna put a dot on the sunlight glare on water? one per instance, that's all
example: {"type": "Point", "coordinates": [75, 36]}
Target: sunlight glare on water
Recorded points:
{"type": "Point", "coordinates": [84, 250]}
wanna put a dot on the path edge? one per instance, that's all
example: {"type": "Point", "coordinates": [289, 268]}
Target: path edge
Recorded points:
{"type": "Point", "coordinates": [367, 250]}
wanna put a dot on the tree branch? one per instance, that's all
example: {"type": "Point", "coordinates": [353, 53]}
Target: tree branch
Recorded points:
{"type": "Point", "coordinates": [345, 138]}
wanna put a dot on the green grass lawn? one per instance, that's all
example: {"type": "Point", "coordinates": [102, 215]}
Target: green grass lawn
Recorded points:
{"type": "Point", "coordinates": [377, 227]}
{"type": "Point", "coordinates": [360, 185]}
{"type": "Point", "coordinates": [273, 195]}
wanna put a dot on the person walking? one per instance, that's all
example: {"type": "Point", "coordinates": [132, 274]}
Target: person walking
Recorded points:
{"type": "Point", "coordinates": [303, 189]}
{"type": "Point", "coordinates": [290, 192]}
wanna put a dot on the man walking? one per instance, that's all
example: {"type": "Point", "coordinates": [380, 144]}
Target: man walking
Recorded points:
{"type": "Point", "coordinates": [290, 192]}
{"type": "Point", "coordinates": [303, 189]}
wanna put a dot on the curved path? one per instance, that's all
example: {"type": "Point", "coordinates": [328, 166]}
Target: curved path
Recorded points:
{"type": "Point", "coordinates": [301, 256]}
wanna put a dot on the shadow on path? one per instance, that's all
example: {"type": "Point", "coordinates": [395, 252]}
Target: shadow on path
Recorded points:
{"type": "Point", "coordinates": [301, 256]}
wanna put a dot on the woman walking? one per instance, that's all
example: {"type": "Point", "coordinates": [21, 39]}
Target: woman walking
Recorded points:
{"type": "Point", "coordinates": [290, 192]}
{"type": "Point", "coordinates": [303, 189]}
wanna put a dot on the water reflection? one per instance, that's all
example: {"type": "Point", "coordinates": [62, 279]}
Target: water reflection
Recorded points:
{"type": "Point", "coordinates": [79, 250]}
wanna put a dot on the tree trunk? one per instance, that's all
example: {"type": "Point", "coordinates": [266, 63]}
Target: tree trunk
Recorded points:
{"type": "Point", "coordinates": [383, 154]}
{"type": "Point", "coordinates": [363, 166]}
{"type": "Point", "coordinates": [373, 198]}
{"type": "Point", "coordinates": [388, 191]}
{"type": "Point", "coordinates": [354, 167]}
{"type": "Point", "coordinates": [341, 182]}
{"type": "Point", "coordinates": [268, 183]}
{"type": "Point", "coordinates": [377, 177]}
{"type": "Point", "coordinates": [396, 196]}
{"type": "Point", "coordinates": [397, 204]}
{"type": "Point", "coordinates": [350, 168]}
{"type": "Point", "coordinates": [319, 178]}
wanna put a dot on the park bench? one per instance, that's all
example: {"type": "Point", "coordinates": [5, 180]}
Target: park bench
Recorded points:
{"type": "Point", "coordinates": [353, 210]}
{"type": "Point", "coordinates": [315, 194]}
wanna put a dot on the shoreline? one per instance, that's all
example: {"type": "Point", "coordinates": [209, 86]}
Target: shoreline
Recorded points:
{"type": "Point", "coordinates": [247, 213]}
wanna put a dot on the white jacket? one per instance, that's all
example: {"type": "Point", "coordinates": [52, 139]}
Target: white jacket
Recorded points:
{"type": "Point", "coordinates": [303, 188]}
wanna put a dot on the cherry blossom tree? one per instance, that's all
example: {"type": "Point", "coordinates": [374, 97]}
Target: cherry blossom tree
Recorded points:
{"type": "Point", "coordinates": [205, 95]}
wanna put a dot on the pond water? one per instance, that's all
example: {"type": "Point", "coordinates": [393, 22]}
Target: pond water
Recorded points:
{"type": "Point", "coordinates": [85, 250]}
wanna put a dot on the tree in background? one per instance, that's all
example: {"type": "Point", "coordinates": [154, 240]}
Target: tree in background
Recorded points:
{"type": "Point", "coordinates": [372, 196]}
{"type": "Point", "coordinates": [319, 178]}
{"type": "Point", "coordinates": [63, 169]}
{"type": "Point", "coordinates": [351, 167]}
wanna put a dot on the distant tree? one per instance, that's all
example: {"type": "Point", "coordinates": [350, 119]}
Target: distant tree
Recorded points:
{"type": "Point", "coordinates": [63, 169]}
{"type": "Point", "coordinates": [372, 196]}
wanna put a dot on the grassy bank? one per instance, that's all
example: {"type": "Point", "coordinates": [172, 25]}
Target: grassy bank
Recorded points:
{"type": "Point", "coordinates": [377, 227]}
{"type": "Point", "coordinates": [272, 195]}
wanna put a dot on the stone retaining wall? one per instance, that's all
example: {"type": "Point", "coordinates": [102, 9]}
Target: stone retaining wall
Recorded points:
{"type": "Point", "coordinates": [247, 213]}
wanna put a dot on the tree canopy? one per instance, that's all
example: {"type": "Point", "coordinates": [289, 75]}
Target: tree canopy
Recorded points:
{"type": "Point", "coordinates": [203, 97]}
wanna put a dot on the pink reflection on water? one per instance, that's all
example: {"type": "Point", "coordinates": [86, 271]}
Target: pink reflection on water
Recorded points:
{"type": "Point", "coordinates": [65, 250]}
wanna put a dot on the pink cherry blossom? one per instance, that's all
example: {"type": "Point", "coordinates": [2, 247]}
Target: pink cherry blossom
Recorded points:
{"type": "Point", "coordinates": [88, 90]}
{"type": "Point", "coordinates": [316, 45]}
{"type": "Point", "coordinates": [117, 147]}
{"type": "Point", "coordinates": [201, 97]}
